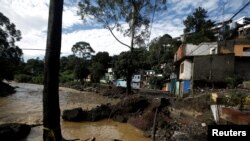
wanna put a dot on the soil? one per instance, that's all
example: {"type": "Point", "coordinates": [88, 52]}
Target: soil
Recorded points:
{"type": "Point", "coordinates": [176, 118]}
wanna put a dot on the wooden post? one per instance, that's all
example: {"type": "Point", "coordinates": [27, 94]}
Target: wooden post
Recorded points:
{"type": "Point", "coordinates": [51, 107]}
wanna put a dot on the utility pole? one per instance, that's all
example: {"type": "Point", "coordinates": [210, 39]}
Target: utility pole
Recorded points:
{"type": "Point", "coordinates": [51, 107]}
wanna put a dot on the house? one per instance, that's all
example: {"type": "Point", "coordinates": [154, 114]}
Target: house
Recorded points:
{"type": "Point", "coordinates": [241, 50]}
{"type": "Point", "coordinates": [109, 76]}
{"type": "Point", "coordinates": [184, 64]}
{"type": "Point", "coordinates": [136, 82]}
{"type": "Point", "coordinates": [211, 63]}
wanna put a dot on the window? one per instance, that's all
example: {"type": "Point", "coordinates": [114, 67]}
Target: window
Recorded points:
{"type": "Point", "coordinates": [213, 51]}
{"type": "Point", "coordinates": [246, 49]}
{"type": "Point", "coordinates": [182, 67]}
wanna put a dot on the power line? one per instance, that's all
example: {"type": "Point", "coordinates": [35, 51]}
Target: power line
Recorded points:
{"type": "Point", "coordinates": [33, 49]}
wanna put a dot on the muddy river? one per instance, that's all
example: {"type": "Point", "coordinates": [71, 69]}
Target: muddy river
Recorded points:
{"type": "Point", "coordinates": [25, 106]}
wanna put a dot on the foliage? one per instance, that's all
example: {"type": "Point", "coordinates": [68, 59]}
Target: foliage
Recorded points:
{"type": "Point", "coordinates": [37, 79]}
{"type": "Point", "coordinates": [138, 62]}
{"type": "Point", "coordinates": [34, 66]}
{"type": "Point", "coordinates": [161, 51]}
{"type": "Point", "coordinates": [235, 98]}
{"type": "Point", "coordinates": [156, 82]}
{"type": "Point", "coordinates": [102, 58]}
{"type": "Point", "coordinates": [197, 27]}
{"type": "Point", "coordinates": [68, 63]}
{"type": "Point", "coordinates": [23, 78]}
{"type": "Point", "coordinates": [233, 80]}
{"type": "Point", "coordinates": [83, 49]}
{"type": "Point", "coordinates": [81, 71]}
{"type": "Point", "coordinates": [132, 18]}
{"type": "Point", "coordinates": [66, 76]}
{"type": "Point", "coordinates": [10, 54]}
{"type": "Point", "coordinates": [114, 14]}
{"type": "Point", "coordinates": [97, 71]}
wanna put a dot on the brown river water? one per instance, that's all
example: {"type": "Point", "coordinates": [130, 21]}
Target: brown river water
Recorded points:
{"type": "Point", "coordinates": [25, 106]}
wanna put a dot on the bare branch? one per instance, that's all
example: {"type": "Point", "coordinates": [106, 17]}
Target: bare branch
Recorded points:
{"type": "Point", "coordinates": [117, 38]}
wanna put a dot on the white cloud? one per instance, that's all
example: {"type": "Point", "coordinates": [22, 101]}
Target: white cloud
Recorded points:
{"type": "Point", "coordinates": [99, 39]}
{"type": "Point", "coordinates": [30, 16]}
{"type": "Point", "coordinates": [70, 17]}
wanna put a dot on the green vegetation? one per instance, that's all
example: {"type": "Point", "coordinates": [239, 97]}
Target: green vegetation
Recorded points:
{"type": "Point", "coordinates": [132, 18]}
{"type": "Point", "coordinates": [10, 53]}
{"type": "Point", "coordinates": [198, 27]}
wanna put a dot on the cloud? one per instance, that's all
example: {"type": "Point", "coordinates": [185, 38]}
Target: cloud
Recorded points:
{"type": "Point", "coordinates": [99, 39]}
{"type": "Point", "coordinates": [31, 17]}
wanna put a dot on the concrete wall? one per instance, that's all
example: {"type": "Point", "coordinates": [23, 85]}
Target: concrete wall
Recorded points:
{"type": "Point", "coordinates": [213, 68]}
{"type": "Point", "coordinates": [242, 67]}
{"type": "Point", "coordinates": [242, 50]}
{"type": "Point", "coordinates": [187, 71]}
{"type": "Point", "coordinates": [190, 49]}
{"type": "Point", "coordinates": [204, 49]}
{"type": "Point", "coordinates": [226, 47]}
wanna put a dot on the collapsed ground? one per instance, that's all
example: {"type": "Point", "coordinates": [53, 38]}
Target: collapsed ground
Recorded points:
{"type": "Point", "coordinates": [177, 119]}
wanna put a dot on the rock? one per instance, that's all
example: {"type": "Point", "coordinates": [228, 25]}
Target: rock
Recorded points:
{"type": "Point", "coordinates": [116, 140]}
{"type": "Point", "coordinates": [76, 114]}
{"type": "Point", "coordinates": [120, 118]}
{"type": "Point", "coordinates": [14, 131]}
{"type": "Point", "coordinates": [99, 113]}
{"type": "Point", "coordinates": [180, 136]}
{"type": "Point", "coordinates": [203, 124]}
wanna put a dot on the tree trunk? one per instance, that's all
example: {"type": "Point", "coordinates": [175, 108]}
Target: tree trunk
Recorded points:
{"type": "Point", "coordinates": [130, 70]}
{"type": "Point", "coordinates": [51, 108]}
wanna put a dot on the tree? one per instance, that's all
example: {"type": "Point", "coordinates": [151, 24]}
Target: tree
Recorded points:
{"type": "Point", "coordinates": [51, 108]}
{"type": "Point", "coordinates": [136, 15]}
{"type": "Point", "coordinates": [83, 49]}
{"type": "Point", "coordinates": [81, 71]}
{"type": "Point", "coordinates": [198, 27]}
{"type": "Point", "coordinates": [34, 66]}
{"type": "Point", "coordinates": [138, 57]}
{"type": "Point", "coordinates": [161, 51]}
{"type": "Point", "coordinates": [97, 71]}
{"type": "Point", "coordinates": [10, 54]}
{"type": "Point", "coordinates": [102, 58]}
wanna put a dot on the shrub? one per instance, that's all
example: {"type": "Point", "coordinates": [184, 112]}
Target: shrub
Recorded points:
{"type": "Point", "coordinates": [233, 81]}
{"type": "Point", "coordinates": [23, 78]}
{"type": "Point", "coordinates": [37, 79]}
{"type": "Point", "coordinates": [156, 82]}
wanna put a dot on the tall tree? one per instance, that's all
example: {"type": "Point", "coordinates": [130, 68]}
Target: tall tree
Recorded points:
{"type": "Point", "coordinates": [161, 51]}
{"type": "Point", "coordinates": [81, 71]}
{"type": "Point", "coordinates": [83, 49]}
{"type": "Point", "coordinates": [198, 27]}
{"type": "Point", "coordinates": [51, 107]}
{"type": "Point", "coordinates": [138, 57]}
{"type": "Point", "coordinates": [10, 53]}
{"type": "Point", "coordinates": [102, 58]}
{"type": "Point", "coordinates": [136, 15]}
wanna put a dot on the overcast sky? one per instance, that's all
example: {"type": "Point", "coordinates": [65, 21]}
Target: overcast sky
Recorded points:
{"type": "Point", "coordinates": [30, 16]}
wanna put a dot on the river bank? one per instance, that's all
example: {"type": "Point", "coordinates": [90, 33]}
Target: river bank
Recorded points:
{"type": "Point", "coordinates": [25, 106]}
{"type": "Point", "coordinates": [176, 119]}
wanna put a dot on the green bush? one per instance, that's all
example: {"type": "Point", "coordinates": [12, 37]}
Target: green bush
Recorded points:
{"type": "Point", "coordinates": [64, 78]}
{"type": "Point", "coordinates": [233, 80]}
{"type": "Point", "coordinates": [23, 78]}
{"type": "Point", "coordinates": [156, 82]}
{"type": "Point", "coordinates": [37, 79]}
